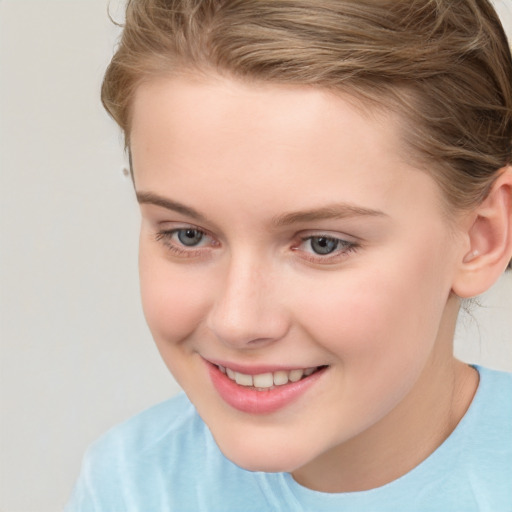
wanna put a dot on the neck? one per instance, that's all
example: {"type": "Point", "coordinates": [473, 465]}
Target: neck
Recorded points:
{"type": "Point", "coordinates": [409, 433]}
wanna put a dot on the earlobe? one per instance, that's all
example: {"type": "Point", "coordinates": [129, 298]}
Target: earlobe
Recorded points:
{"type": "Point", "coordinates": [490, 240]}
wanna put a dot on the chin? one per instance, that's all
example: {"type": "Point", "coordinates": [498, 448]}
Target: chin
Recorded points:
{"type": "Point", "coordinates": [264, 457]}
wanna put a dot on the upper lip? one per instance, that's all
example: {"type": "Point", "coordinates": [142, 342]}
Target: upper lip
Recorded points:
{"type": "Point", "coordinates": [256, 369]}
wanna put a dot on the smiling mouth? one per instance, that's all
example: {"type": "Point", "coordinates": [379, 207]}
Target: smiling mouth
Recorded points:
{"type": "Point", "coordinates": [260, 390]}
{"type": "Point", "coordinates": [269, 380]}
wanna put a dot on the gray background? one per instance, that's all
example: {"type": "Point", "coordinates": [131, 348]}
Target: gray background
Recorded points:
{"type": "Point", "coordinates": [76, 356]}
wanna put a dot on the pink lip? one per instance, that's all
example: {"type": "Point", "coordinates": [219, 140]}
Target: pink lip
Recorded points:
{"type": "Point", "coordinates": [250, 400]}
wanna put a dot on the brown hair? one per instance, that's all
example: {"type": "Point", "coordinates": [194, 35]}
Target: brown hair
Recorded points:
{"type": "Point", "coordinates": [444, 66]}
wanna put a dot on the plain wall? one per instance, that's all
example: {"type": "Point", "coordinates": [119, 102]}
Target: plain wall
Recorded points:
{"type": "Point", "coordinates": [76, 356]}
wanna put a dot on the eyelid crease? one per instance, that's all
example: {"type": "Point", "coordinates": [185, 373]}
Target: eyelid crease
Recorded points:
{"type": "Point", "coordinates": [344, 242]}
{"type": "Point", "coordinates": [327, 233]}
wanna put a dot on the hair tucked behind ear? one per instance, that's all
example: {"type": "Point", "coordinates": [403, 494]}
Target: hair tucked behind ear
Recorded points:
{"type": "Point", "coordinates": [444, 66]}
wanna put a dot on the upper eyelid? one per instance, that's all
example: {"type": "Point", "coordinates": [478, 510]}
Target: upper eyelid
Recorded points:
{"type": "Point", "coordinates": [326, 234]}
{"type": "Point", "coordinates": [158, 216]}
{"type": "Point", "coordinates": [300, 236]}
{"type": "Point", "coordinates": [342, 237]}
{"type": "Point", "coordinates": [182, 226]}
{"type": "Point", "coordinates": [173, 231]}
{"type": "Point", "coordinates": [343, 241]}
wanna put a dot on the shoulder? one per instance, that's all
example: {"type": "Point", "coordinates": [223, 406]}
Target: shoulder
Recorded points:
{"type": "Point", "coordinates": [146, 446]}
{"type": "Point", "coordinates": [132, 464]}
{"type": "Point", "coordinates": [494, 395]}
{"type": "Point", "coordinates": [141, 434]}
{"type": "Point", "coordinates": [165, 416]}
{"type": "Point", "coordinates": [486, 447]}
{"type": "Point", "coordinates": [491, 377]}
{"type": "Point", "coordinates": [488, 420]}
{"type": "Point", "coordinates": [487, 424]}
{"type": "Point", "coordinates": [164, 458]}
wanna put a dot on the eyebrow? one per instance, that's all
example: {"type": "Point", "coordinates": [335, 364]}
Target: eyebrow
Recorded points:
{"type": "Point", "coordinates": [150, 198]}
{"type": "Point", "coordinates": [334, 211]}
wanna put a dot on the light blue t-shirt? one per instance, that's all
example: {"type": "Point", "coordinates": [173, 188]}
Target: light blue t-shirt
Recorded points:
{"type": "Point", "coordinates": [165, 459]}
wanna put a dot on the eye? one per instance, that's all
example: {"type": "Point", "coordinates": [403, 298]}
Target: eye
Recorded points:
{"type": "Point", "coordinates": [186, 242]}
{"type": "Point", "coordinates": [324, 248]}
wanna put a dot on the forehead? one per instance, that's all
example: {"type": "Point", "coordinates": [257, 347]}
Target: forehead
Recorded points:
{"type": "Point", "coordinates": [210, 98]}
{"type": "Point", "coordinates": [266, 139]}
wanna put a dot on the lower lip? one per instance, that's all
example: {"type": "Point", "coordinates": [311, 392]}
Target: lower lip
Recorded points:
{"type": "Point", "coordinates": [252, 401]}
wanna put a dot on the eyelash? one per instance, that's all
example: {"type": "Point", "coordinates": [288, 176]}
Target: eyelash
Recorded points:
{"type": "Point", "coordinates": [166, 238]}
{"type": "Point", "coordinates": [346, 247]}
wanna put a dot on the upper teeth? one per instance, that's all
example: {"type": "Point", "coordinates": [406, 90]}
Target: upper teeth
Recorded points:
{"type": "Point", "coordinates": [267, 380]}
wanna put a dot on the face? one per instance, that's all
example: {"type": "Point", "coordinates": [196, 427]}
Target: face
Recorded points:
{"type": "Point", "coordinates": [285, 238]}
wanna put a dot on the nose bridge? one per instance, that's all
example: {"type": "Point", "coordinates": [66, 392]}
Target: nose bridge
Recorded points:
{"type": "Point", "coordinates": [245, 310]}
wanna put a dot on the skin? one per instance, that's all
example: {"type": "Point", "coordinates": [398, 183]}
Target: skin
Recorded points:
{"type": "Point", "coordinates": [379, 310]}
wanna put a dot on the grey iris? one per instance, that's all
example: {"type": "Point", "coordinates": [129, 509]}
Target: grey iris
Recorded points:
{"type": "Point", "coordinates": [323, 245]}
{"type": "Point", "coordinates": [190, 237]}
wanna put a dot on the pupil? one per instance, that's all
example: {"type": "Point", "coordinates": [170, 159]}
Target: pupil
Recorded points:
{"type": "Point", "coordinates": [189, 237]}
{"type": "Point", "coordinates": [323, 245]}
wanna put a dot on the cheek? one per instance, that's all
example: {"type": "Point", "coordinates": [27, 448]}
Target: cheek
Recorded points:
{"type": "Point", "coordinates": [380, 332]}
{"type": "Point", "coordinates": [388, 317]}
{"type": "Point", "coordinates": [173, 299]}
{"type": "Point", "coordinates": [356, 323]}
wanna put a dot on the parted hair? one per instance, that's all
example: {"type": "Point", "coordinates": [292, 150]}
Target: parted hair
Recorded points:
{"type": "Point", "coordinates": [443, 66]}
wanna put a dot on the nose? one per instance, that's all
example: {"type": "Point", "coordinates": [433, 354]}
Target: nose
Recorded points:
{"type": "Point", "coordinates": [247, 310]}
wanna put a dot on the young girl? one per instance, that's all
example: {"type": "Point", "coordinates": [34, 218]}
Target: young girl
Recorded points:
{"type": "Point", "coordinates": [322, 184]}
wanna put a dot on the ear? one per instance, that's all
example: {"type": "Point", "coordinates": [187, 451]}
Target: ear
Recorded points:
{"type": "Point", "coordinates": [489, 240]}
